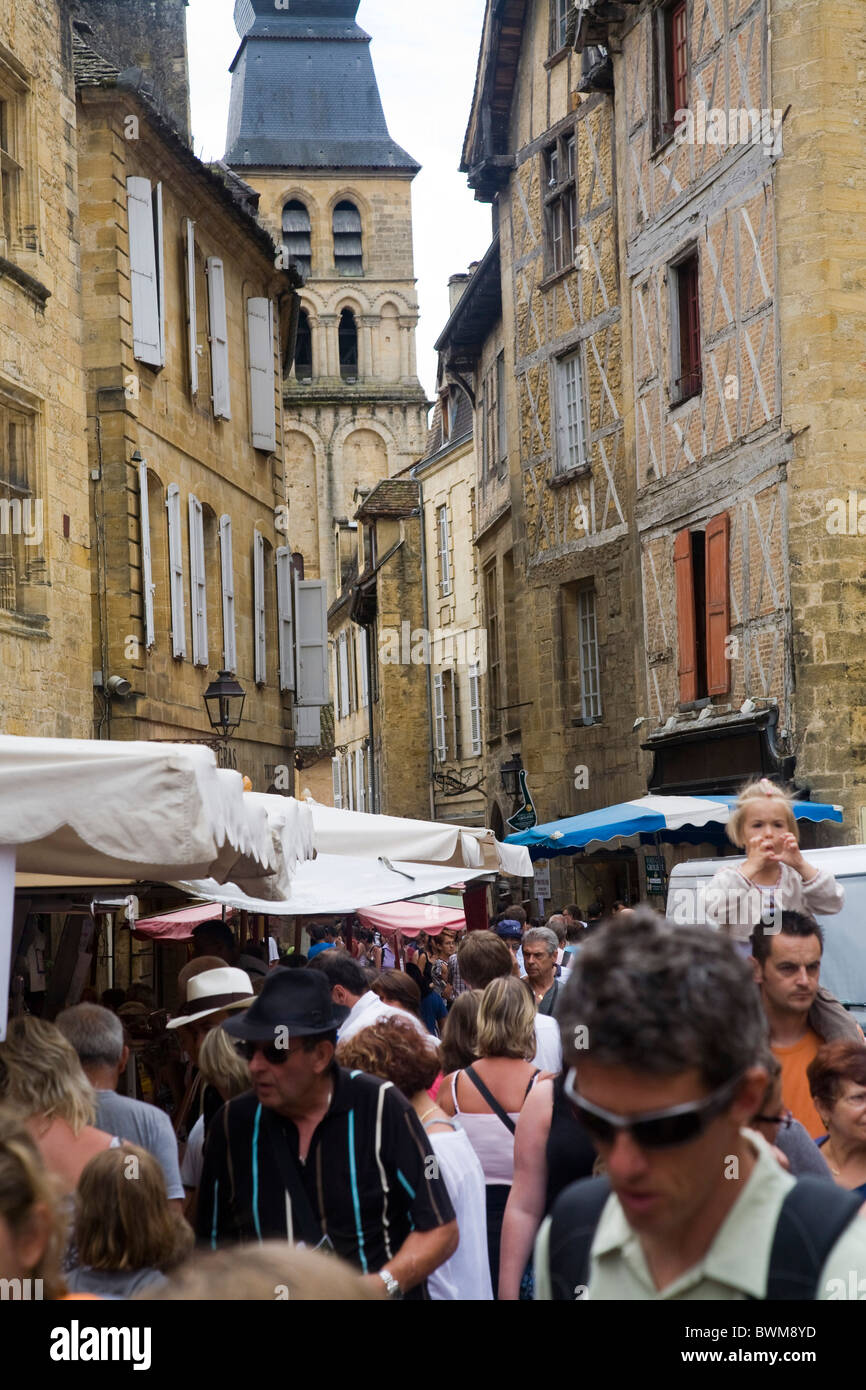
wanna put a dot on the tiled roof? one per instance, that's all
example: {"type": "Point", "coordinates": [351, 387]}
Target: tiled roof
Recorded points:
{"type": "Point", "coordinates": [91, 69]}
{"type": "Point", "coordinates": [391, 497]}
{"type": "Point", "coordinates": [462, 425]}
{"type": "Point", "coordinates": [304, 93]}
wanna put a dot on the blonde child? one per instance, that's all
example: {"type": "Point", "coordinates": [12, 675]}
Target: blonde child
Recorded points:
{"type": "Point", "coordinates": [775, 875]}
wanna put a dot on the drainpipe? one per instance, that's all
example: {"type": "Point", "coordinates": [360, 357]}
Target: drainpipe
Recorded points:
{"type": "Point", "coordinates": [426, 611]}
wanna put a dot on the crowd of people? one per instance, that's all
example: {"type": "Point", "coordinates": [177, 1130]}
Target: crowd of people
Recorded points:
{"type": "Point", "coordinates": [606, 1105]}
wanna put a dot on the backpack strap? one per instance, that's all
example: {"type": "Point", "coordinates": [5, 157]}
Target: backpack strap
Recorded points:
{"type": "Point", "coordinates": [813, 1217]}
{"type": "Point", "coordinates": [575, 1216]}
{"type": "Point", "coordinates": [488, 1095]}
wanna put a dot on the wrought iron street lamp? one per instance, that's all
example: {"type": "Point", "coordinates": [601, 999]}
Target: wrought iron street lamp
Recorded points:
{"type": "Point", "coordinates": [510, 774]}
{"type": "Point", "coordinates": [224, 702]}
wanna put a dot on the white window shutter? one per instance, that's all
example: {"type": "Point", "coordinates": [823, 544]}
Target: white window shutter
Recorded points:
{"type": "Point", "coordinates": [439, 717]}
{"type": "Point", "coordinates": [284, 618]}
{"type": "Point", "coordinates": [359, 779]}
{"type": "Point", "coordinates": [311, 638]}
{"type": "Point", "coordinates": [260, 329]}
{"type": "Point", "coordinates": [175, 564]}
{"type": "Point", "coordinates": [147, 583]}
{"type": "Point", "coordinates": [198, 585]}
{"type": "Point", "coordinates": [219, 344]}
{"type": "Point", "coordinates": [455, 709]}
{"type": "Point", "coordinates": [344, 673]}
{"type": "Point", "coordinates": [350, 782]}
{"type": "Point", "coordinates": [159, 244]}
{"type": "Point", "coordinates": [337, 776]}
{"type": "Point", "coordinates": [227, 574]}
{"type": "Point", "coordinates": [143, 271]}
{"type": "Point", "coordinates": [192, 308]}
{"type": "Point", "coordinates": [474, 711]}
{"type": "Point", "coordinates": [261, 662]}
{"type": "Point", "coordinates": [365, 672]}
{"type": "Point", "coordinates": [338, 713]}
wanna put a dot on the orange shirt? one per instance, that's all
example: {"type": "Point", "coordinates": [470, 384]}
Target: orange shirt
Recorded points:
{"type": "Point", "coordinates": [796, 1095]}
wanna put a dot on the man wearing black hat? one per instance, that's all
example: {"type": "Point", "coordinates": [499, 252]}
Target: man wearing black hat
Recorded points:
{"type": "Point", "coordinates": [319, 1155]}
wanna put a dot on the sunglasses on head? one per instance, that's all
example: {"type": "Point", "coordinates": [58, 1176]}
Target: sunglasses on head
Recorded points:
{"type": "Point", "coordinates": [656, 1129]}
{"type": "Point", "coordinates": [247, 1048]}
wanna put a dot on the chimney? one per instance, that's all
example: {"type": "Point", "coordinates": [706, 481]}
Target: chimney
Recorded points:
{"type": "Point", "coordinates": [456, 287]}
{"type": "Point", "coordinates": [149, 35]}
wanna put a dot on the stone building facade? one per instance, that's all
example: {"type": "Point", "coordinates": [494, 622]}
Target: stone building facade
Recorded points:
{"type": "Point", "coordinates": [558, 557]}
{"type": "Point", "coordinates": [45, 646]}
{"type": "Point", "coordinates": [307, 131]}
{"type": "Point", "coordinates": [186, 312]}
{"type": "Point", "coordinates": [741, 314]}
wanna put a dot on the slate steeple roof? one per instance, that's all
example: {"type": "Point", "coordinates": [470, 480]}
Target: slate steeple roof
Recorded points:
{"type": "Point", "coordinates": [304, 93]}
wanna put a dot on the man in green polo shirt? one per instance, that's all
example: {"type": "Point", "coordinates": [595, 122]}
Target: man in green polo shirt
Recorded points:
{"type": "Point", "coordinates": [661, 1026]}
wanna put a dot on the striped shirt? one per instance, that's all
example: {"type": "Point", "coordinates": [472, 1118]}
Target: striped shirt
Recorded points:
{"type": "Point", "coordinates": [370, 1177]}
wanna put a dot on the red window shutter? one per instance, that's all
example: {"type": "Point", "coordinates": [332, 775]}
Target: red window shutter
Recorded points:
{"type": "Point", "coordinates": [718, 604]}
{"type": "Point", "coordinates": [680, 55]}
{"type": "Point", "coordinates": [687, 665]}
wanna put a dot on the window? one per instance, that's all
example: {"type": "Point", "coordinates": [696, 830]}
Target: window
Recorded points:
{"type": "Point", "coordinates": [560, 204]}
{"type": "Point", "coordinates": [147, 583]}
{"type": "Point", "coordinates": [304, 348]}
{"type": "Point", "coordinates": [337, 778]}
{"type": "Point", "coordinates": [311, 641]}
{"type": "Point", "coordinates": [175, 565]}
{"type": "Point", "coordinates": [571, 451]}
{"type": "Point", "coordinates": [296, 236]}
{"type": "Point", "coordinates": [284, 619]}
{"type": "Point", "coordinates": [501, 425]}
{"type": "Point", "coordinates": [230, 654]}
{"type": "Point", "coordinates": [561, 28]}
{"type": "Point", "coordinates": [218, 338]}
{"type": "Point", "coordinates": [10, 173]}
{"type": "Point", "coordinates": [474, 711]}
{"type": "Point", "coordinates": [191, 307]}
{"type": "Point", "coordinates": [350, 781]}
{"type": "Point", "coordinates": [263, 377]}
{"type": "Point", "coordinates": [672, 67]}
{"type": "Point", "coordinates": [360, 781]}
{"type": "Point", "coordinates": [686, 330]}
{"type": "Point", "coordinates": [259, 614]}
{"type": "Point", "coordinates": [348, 244]}
{"type": "Point", "coordinates": [147, 270]}
{"type": "Point", "coordinates": [590, 687]}
{"type": "Point", "coordinates": [343, 675]}
{"type": "Point", "coordinates": [18, 165]}
{"type": "Point", "coordinates": [198, 583]}
{"type": "Point", "coordinates": [348, 344]}
{"type": "Point", "coordinates": [444, 535]}
{"type": "Point", "coordinates": [21, 511]}
{"type": "Point", "coordinates": [701, 566]}
{"type": "Point", "coordinates": [491, 598]}
{"type": "Point", "coordinates": [364, 667]}
{"type": "Point", "coordinates": [440, 716]}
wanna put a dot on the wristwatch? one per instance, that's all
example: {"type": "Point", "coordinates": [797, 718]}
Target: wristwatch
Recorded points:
{"type": "Point", "coordinates": [392, 1287]}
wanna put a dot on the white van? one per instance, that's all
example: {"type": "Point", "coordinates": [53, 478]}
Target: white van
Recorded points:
{"type": "Point", "coordinates": [843, 968]}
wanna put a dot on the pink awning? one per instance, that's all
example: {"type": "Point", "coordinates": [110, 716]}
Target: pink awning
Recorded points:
{"type": "Point", "coordinates": [178, 925]}
{"type": "Point", "coordinates": [412, 918]}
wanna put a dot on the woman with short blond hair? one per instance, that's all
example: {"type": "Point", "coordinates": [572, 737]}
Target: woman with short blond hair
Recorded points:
{"type": "Point", "coordinates": [489, 1095]}
{"type": "Point", "coordinates": [42, 1078]}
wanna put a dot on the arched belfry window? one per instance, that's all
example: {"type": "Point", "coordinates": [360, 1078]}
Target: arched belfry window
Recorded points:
{"type": "Point", "coordinates": [348, 242]}
{"type": "Point", "coordinates": [348, 340]}
{"type": "Point", "coordinates": [304, 348]}
{"type": "Point", "coordinates": [296, 235]}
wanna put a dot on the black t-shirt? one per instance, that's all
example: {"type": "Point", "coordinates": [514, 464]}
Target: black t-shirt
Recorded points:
{"type": "Point", "coordinates": [369, 1180]}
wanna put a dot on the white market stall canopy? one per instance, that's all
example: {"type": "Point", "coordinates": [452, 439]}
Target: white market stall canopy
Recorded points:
{"type": "Point", "coordinates": [133, 811]}
{"type": "Point", "coordinates": [339, 883]}
{"type": "Point", "coordinates": [338, 832]}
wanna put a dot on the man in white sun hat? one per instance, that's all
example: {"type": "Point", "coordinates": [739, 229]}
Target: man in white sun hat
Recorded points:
{"type": "Point", "coordinates": [211, 997]}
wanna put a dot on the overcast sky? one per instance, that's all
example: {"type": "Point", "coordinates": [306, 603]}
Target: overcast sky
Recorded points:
{"type": "Point", "coordinates": [426, 71]}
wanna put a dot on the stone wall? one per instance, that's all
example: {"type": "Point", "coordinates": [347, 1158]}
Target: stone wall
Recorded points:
{"type": "Point", "coordinates": [151, 35]}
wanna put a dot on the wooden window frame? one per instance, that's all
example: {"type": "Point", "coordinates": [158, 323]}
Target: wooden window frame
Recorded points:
{"type": "Point", "coordinates": [672, 68]}
{"type": "Point", "coordinates": [589, 657]}
{"type": "Point", "coordinates": [19, 204]}
{"type": "Point", "coordinates": [561, 220]}
{"type": "Point", "coordinates": [562, 454]}
{"type": "Point", "coordinates": [685, 311]}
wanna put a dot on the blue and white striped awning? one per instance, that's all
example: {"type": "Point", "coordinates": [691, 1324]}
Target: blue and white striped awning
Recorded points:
{"type": "Point", "coordinates": [646, 815]}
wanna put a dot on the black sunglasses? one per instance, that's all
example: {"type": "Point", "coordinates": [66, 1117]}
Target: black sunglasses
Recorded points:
{"type": "Point", "coordinates": [247, 1048]}
{"type": "Point", "coordinates": [656, 1129]}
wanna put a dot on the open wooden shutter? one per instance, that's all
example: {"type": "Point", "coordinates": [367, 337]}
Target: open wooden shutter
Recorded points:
{"type": "Point", "coordinates": [343, 649]}
{"type": "Point", "coordinates": [198, 586]}
{"type": "Point", "coordinates": [350, 781]}
{"type": "Point", "coordinates": [284, 618]}
{"type": "Point", "coordinates": [687, 644]}
{"type": "Point", "coordinates": [718, 604]}
{"type": "Point", "coordinates": [219, 345]}
{"type": "Point", "coordinates": [337, 776]}
{"type": "Point", "coordinates": [261, 667]}
{"type": "Point", "coordinates": [360, 787]}
{"type": "Point", "coordinates": [175, 564]}
{"type": "Point", "coordinates": [260, 330]}
{"type": "Point", "coordinates": [230, 652]}
{"type": "Point", "coordinates": [439, 717]}
{"type": "Point", "coordinates": [159, 257]}
{"type": "Point", "coordinates": [311, 638]}
{"type": "Point", "coordinates": [191, 307]}
{"type": "Point", "coordinates": [147, 583]}
{"type": "Point", "coordinates": [144, 273]}
{"type": "Point", "coordinates": [365, 670]}
{"type": "Point", "coordinates": [474, 711]}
